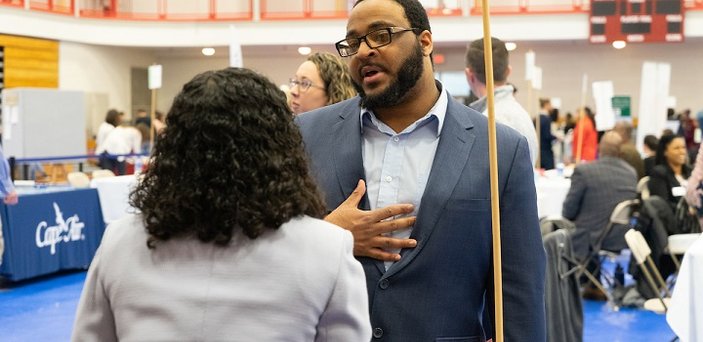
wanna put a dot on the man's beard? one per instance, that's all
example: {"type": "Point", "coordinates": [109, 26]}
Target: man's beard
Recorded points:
{"type": "Point", "coordinates": [407, 76]}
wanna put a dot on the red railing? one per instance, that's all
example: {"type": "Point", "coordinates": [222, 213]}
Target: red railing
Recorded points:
{"type": "Point", "coordinates": [173, 10]}
{"type": "Point", "coordinates": [53, 6]}
{"type": "Point", "coordinates": [214, 10]}
{"type": "Point", "coordinates": [13, 3]}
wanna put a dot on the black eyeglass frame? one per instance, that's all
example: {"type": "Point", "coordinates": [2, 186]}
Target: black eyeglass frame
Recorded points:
{"type": "Point", "coordinates": [390, 31]}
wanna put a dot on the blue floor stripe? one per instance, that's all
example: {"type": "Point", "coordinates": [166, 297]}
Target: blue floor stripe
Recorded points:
{"type": "Point", "coordinates": [43, 310]}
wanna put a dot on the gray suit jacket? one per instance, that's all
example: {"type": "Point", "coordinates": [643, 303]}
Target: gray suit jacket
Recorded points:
{"type": "Point", "coordinates": [436, 291]}
{"type": "Point", "coordinates": [596, 188]}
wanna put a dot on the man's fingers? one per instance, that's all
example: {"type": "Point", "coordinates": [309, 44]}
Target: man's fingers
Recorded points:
{"type": "Point", "coordinates": [393, 225]}
{"type": "Point", "coordinates": [390, 211]}
{"type": "Point", "coordinates": [356, 196]}
{"type": "Point", "coordinates": [382, 255]}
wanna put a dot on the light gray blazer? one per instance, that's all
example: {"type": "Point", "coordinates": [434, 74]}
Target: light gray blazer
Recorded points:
{"type": "Point", "coordinates": [298, 283]}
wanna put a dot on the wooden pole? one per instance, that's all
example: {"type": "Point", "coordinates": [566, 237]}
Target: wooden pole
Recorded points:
{"type": "Point", "coordinates": [582, 113]}
{"type": "Point", "coordinates": [493, 161]}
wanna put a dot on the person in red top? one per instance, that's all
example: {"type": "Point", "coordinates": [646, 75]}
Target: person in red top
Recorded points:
{"type": "Point", "coordinates": [590, 137]}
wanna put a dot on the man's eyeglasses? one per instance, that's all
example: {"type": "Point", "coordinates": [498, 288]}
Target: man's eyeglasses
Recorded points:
{"type": "Point", "coordinates": [375, 39]}
{"type": "Point", "coordinates": [303, 85]}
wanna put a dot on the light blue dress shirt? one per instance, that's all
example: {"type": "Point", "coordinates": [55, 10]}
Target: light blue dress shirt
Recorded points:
{"type": "Point", "coordinates": [397, 165]}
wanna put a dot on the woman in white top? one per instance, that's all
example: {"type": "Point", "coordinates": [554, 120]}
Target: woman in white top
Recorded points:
{"type": "Point", "coordinates": [229, 245]}
{"type": "Point", "coordinates": [112, 120]}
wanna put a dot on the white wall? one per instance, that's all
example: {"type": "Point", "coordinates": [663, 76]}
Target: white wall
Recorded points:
{"type": "Point", "coordinates": [564, 63]}
{"type": "Point", "coordinates": [178, 71]}
{"type": "Point", "coordinates": [101, 70]}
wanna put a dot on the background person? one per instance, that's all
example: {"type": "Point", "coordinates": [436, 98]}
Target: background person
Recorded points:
{"type": "Point", "coordinates": [589, 142]}
{"type": "Point", "coordinates": [669, 177]}
{"type": "Point", "coordinates": [7, 187]}
{"type": "Point", "coordinates": [323, 79]}
{"type": "Point", "coordinates": [546, 139]}
{"type": "Point", "coordinates": [507, 110]}
{"type": "Point", "coordinates": [228, 245]}
{"type": "Point", "coordinates": [596, 189]}
{"type": "Point", "coordinates": [650, 151]}
{"type": "Point", "coordinates": [113, 119]}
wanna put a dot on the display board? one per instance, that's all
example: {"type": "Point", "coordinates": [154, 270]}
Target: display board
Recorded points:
{"type": "Point", "coordinates": [636, 21]}
{"type": "Point", "coordinates": [42, 123]}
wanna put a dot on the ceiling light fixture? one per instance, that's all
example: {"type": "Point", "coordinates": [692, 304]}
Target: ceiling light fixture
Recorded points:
{"type": "Point", "coordinates": [510, 46]}
{"type": "Point", "coordinates": [208, 51]}
{"type": "Point", "coordinates": [619, 44]}
{"type": "Point", "coordinates": [304, 50]}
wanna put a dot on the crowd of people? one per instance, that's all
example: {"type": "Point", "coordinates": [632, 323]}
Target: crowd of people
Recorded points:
{"type": "Point", "coordinates": [118, 137]}
{"type": "Point", "coordinates": [355, 206]}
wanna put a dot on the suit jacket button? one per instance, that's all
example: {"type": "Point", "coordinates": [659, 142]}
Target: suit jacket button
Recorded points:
{"type": "Point", "coordinates": [377, 332]}
{"type": "Point", "coordinates": [384, 284]}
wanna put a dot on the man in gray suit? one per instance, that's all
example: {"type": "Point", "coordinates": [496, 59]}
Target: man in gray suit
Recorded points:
{"type": "Point", "coordinates": [596, 188]}
{"type": "Point", "coordinates": [428, 261]}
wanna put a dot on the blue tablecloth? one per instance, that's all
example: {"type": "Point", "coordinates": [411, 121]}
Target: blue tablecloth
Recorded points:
{"type": "Point", "coordinates": [51, 230]}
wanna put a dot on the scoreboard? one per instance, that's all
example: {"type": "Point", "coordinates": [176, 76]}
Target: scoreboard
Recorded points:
{"type": "Point", "coordinates": [636, 21]}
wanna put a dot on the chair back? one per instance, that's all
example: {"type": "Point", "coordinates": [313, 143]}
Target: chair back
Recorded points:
{"type": "Point", "coordinates": [643, 187]}
{"type": "Point", "coordinates": [638, 245]}
{"type": "Point", "coordinates": [103, 173]}
{"type": "Point", "coordinates": [623, 211]}
{"type": "Point", "coordinates": [78, 179]}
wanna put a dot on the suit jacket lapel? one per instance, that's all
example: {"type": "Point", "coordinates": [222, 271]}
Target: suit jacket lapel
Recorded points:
{"type": "Point", "coordinates": [450, 159]}
{"type": "Point", "coordinates": [348, 161]}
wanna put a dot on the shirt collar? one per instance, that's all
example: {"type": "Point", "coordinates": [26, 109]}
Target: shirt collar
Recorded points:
{"type": "Point", "coordinates": [481, 104]}
{"type": "Point", "coordinates": [439, 111]}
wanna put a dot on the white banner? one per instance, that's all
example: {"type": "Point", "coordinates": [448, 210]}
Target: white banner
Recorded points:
{"type": "Point", "coordinates": [537, 78]}
{"type": "Point", "coordinates": [602, 95]}
{"type": "Point", "coordinates": [235, 48]}
{"type": "Point", "coordinates": [155, 72]}
{"type": "Point", "coordinates": [654, 95]}
{"type": "Point", "coordinates": [529, 65]}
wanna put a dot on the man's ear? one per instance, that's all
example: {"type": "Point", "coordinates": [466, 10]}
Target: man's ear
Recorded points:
{"type": "Point", "coordinates": [469, 75]}
{"type": "Point", "coordinates": [508, 70]}
{"type": "Point", "coordinates": [426, 42]}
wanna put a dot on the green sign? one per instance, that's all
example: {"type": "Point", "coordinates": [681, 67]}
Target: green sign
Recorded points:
{"type": "Point", "coordinates": [621, 105]}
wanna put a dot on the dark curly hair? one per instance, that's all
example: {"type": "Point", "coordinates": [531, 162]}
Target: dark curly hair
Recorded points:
{"type": "Point", "coordinates": [230, 158]}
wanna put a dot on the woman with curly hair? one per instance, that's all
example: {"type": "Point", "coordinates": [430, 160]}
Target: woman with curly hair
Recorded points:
{"type": "Point", "coordinates": [228, 244]}
{"type": "Point", "coordinates": [323, 79]}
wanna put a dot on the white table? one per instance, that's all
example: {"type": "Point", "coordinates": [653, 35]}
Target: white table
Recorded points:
{"type": "Point", "coordinates": [114, 195]}
{"type": "Point", "coordinates": [551, 193]}
{"type": "Point", "coordinates": [685, 315]}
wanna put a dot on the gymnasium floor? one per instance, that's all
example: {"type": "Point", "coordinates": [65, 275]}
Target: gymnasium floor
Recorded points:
{"type": "Point", "coordinates": [43, 310]}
